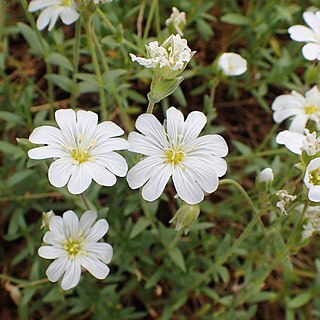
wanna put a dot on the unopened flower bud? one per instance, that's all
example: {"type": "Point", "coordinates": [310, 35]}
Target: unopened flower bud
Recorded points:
{"type": "Point", "coordinates": [185, 217]}
{"type": "Point", "coordinates": [46, 218]}
{"type": "Point", "coordinates": [264, 179]}
{"type": "Point", "coordinates": [232, 64]}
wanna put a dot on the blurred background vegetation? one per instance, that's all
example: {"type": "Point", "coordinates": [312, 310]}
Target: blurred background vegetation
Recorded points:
{"type": "Point", "coordinates": [157, 273]}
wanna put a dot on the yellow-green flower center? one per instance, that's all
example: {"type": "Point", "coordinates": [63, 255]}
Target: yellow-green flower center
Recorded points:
{"type": "Point", "coordinates": [74, 247]}
{"type": "Point", "coordinates": [314, 177]}
{"type": "Point", "coordinates": [311, 109]}
{"type": "Point", "coordinates": [80, 155]}
{"type": "Point", "coordinates": [174, 156]}
{"type": "Point", "coordinates": [66, 3]}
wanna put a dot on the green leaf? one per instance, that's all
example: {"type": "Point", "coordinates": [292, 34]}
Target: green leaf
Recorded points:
{"type": "Point", "coordinates": [236, 18]}
{"type": "Point", "coordinates": [61, 81]}
{"type": "Point", "coordinates": [139, 226]}
{"type": "Point", "coordinates": [300, 300]}
{"type": "Point", "coordinates": [177, 257]}
{"type": "Point", "coordinates": [59, 60]}
{"type": "Point", "coordinates": [32, 38]}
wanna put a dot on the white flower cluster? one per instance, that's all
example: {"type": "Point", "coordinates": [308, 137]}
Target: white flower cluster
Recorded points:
{"type": "Point", "coordinates": [167, 60]}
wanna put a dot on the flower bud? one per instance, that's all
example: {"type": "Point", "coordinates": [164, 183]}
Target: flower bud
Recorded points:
{"type": "Point", "coordinates": [232, 64]}
{"type": "Point", "coordinates": [46, 218]}
{"type": "Point", "coordinates": [264, 179]}
{"type": "Point", "coordinates": [185, 217]}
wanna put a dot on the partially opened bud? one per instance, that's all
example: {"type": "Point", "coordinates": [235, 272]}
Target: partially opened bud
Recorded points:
{"type": "Point", "coordinates": [185, 217]}
{"type": "Point", "coordinates": [46, 218]}
{"type": "Point", "coordinates": [264, 179]}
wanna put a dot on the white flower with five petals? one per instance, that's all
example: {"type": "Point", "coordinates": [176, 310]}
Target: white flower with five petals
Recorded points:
{"type": "Point", "coordinates": [52, 10]}
{"type": "Point", "coordinates": [301, 108]}
{"type": "Point", "coordinates": [74, 244]}
{"type": "Point", "coordinates": [83, 150]}
{"type": "Point", "coordinates": [300, 33]}
{"type": "Point", "coordinates": [175, 150]}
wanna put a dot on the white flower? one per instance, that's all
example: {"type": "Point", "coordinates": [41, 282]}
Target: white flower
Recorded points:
{"type": "Point", "coordinates": [266, 175]}
{"type": "Point", "coordinates": [175, 150]}
{"type": "Point", "coordinates": [311, 35]}
{"type": "Point", "coordinates": [312, 216]}
{"type": "Point", "coordinates": [52, 10]}
{"type": "Point", "coordinates": [232, 64]}
{"type": "Point", "coordinates": [285, 198]}
{"type": "Point", "coordinates": [312, 179]}
{"type": "Point", "coordinates": [299, 107]}
{"type": "Point", "coordinates": [177, 20]}
{"type": "Point", "coordinates": [169, 59]}
{"type": "Point", "coordinates": [298, 142]}
{"type": "Point", "coordinates": [82, 149]}
{"type": "Point", "coordinates": [73, 244]}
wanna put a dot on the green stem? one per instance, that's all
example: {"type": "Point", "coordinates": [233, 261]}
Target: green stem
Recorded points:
{"type": "Point", "coordinates": [106, 20]}
{"type": "Point", "coordinates": [149, 20]}
{"type": "Point", "coordinates": [23, 283]}
{"type": "Point", "coordinates": [269, 136]}
{"type": "Point", "coordinates": [46, 53]}
{"type": "Point", "coordinates": [96, 66]}
{"type": "Point", "coordinates": [246, 196]}
{"type": "Point", "coordinates": [258, 154]}
{"type": "Point", "coordinates": [76, 50]}
{"type": "Point", "coordinates": [85, 201]}
{"type": "Point", "coordinates": [150, 107]}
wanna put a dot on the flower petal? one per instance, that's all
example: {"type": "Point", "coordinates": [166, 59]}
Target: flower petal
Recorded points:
{"type": "Point", "coordinates": [108, 129]}
{"type": "Point", "coordinates": [100, 174]}
{"type": "Point", "coordinates": [80, 179]}
{"type": "Point", "coordinates": [115, 163]}
{"type": "Point", "coordinates": [311, 51]}
{"type": "Point", "coordinates": [69, 16]}
{"type": "Point", "coordinates": [66, 120]}
{"type": "Point", "coordinates": [47, 135]}
{"type": "Point", "coordinates": [301, 33]}
{"type": "Point", "coordinates": [56, 269]}
{"type": "Point", "coordinates": [212, 143]}
{"type": "Point", "coordinates": [298, 123]}
{"type": "Point", "coordinates": [87, 220]}
{"type": "Point", "coordinates": [99, 250]}
{"type": "Point", "coordinates": [97, 268]}
{"type": "Point", "coordinates": [60, 171]}
{"type": "Point", "coordinates": [99, 229]}
{"type": "Point", "coordinates": [153, 189]}
{"type": "Point", "coordinates": [51, 252]}
{"type": "Point", "coordinates": [314, 193]}
{"type": "Point", "coordinates": [141, 172]}
{"type": "Point", "coordinates": [149, 125]}
{"type": "Point", "coordinates": [144, 144]}
{"type": "Point", "coordinates": [72, 275]}
{"type": "Point", "coordinates": [187, 188]}
{"type": "Point", "coordinates": [71, 222]}
{"type": "Point", "coordinates": [175, 123]}
{"type": "Point", "coordinates": [44, 18]}
{"type": "Point", "coordinates": [87, 122]}
{"type": "Point", "coordinates": [46, 153]}
{"type": "Point", "coordinates": [292, 140]}
{"type": "Point", "coordinates": [193, 125]}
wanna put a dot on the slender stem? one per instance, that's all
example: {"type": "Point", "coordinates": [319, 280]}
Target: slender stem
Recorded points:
{"type": "Point", "coordinates": [149, 20]}
{"type": "Point", "coordinates": [76, 50]}
{"type": "Point", "coordinates": [245, 195]}
{"type": "Point", "coordinates": [106, 20]}
{"type": "Point", "coordinates": [85, 201]}
{"type": "Point", "coordinates": [96, 66]}
{"type": "Point", "coordinates": [259, 154]}
{"type": "Point", "coordinates": [150, 107]}
{"type": "Point", "coordinates": [269, 136]}
{"type": "Point", "coordinates": [45, 55]}
{"type": "Point", "coordinates": [23, 283]}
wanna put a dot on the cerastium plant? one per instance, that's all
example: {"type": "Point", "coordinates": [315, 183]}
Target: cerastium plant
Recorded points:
{"type": "Point", "coordinates": [177, 159]}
